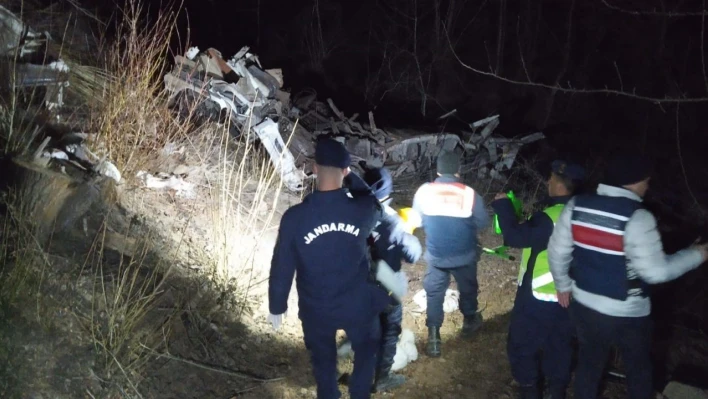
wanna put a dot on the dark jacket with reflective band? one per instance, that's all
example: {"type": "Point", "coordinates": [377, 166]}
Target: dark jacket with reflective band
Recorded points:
{"type": "Point", "coordinates": [599, 264]}
{"type": "Point", "coordinates": [533, 235]}
{"type": "Point", "coordinates": [324, 239]}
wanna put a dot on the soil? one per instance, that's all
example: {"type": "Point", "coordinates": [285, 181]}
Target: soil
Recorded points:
{"type": "Point", "coordinates": [210, 345]}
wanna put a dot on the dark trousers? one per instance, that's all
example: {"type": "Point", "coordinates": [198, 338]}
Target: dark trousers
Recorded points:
{"type": "Point", "coordinates": [391, 321]}
{"type": "Point", "coordinates": [437, 281]}
{"type": "Point", "coordinates": [540, 334]}
{"type": "Point", "coordinates": [320, 340]}
{"type": "Point", "coordinates": [596, 334]}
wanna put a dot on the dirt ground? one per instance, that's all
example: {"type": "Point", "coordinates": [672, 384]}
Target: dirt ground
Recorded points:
{"type": "Point", "coordinates": [212, 348]}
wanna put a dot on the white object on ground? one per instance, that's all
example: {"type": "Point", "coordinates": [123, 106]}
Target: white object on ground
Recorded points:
{"type": "Point", "coordinates": [192, 52]}
{"type": "Point", "coordinates": [281, 156]}
{"type": "Point", "coordinates": [345, 349]}
{"type": "Point", "coordinates": [395, 282]}
{"type": "Point", "coordinates": [406, 351]}
{"type": "Point", "coordinates": [276, 320]}
{"type": "Point", "coordinates": [184, 189]}
{"type": "Point", "coordinates": [107, 169]}
{"type": "Point", "coordinates": [59, 65]}
{"type": "Point", "coordinates": [450, 304]}
{"type": "Point", "coordinates": [56, 154]}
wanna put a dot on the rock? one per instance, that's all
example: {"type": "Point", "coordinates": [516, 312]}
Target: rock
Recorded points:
{"type": "Point", "coordinates": [55, 201]}
{"type": "Point", "coordinates": [677, 390]}
{"type": "Point", "coordinates": [107, 169]}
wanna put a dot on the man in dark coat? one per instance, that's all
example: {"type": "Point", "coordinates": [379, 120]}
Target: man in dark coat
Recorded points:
{"type": "Point", "coordinates": [324, 239]}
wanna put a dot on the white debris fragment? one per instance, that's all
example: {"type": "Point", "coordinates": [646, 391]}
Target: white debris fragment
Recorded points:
{"type": "Point", "coordinates": [283, 159]}
{"type": "Point", "coordinates": [106, 168]}
{"type": "Point", "coordinates": [184, 189]}
{"type": "Point", "coordinates": [192, 52]}
{"type": "Point", "coordinates": [56, 154]}
{"type": "Point", "coordinates": [450, 304]}
{"type": "Point", "coordinates": [406, 351]}
{"type": "Point", "coordinates": [345, 349]}
{"type": "Point", "coordinates": [59, 65]}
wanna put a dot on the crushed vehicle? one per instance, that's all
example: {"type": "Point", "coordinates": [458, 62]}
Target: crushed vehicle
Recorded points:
{"type": "Point", "coordinates": [24, 61]}
{"type": "Point", "coordinates": [289, 127]}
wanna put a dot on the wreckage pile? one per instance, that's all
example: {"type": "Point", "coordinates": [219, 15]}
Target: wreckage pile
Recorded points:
{"type": "Point", "coordinates": [256, 105]}
{"type": "Point", "coordinates": [288, 128]}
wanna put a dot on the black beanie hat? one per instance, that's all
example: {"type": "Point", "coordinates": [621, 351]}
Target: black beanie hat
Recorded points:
{"type": "Point", "coordinates": [448, 163]}
{"type": "Point", "coordinates": [626, 169]}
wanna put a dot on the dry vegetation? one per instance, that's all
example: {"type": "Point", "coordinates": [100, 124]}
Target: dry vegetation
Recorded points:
{"type": "Point", "coordinates": [122, 103]}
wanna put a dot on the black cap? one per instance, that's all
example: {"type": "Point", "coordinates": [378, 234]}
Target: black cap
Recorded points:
{"type": "Point", "coordinates": [626, 169]}
{"type": "Point", "coordinates": [570, 170]}
{"type": "Point", "coordinates": [332, 153]}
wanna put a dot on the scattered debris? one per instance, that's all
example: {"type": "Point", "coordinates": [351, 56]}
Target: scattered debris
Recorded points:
{"type": "Point", "coordinates": [256, 103]}
{"type": "Point", "coordinates": [406, 351]}
{"type": "Point", "coordinates": [164, 181]}
{"type": "Point", "coordinates": [450, 304]}
{"type": "Point", "coordinates": [23, 46]}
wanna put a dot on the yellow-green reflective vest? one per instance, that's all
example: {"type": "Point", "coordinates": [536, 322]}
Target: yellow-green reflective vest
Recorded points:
{"type": "Point", "coordinates": [542, 282]}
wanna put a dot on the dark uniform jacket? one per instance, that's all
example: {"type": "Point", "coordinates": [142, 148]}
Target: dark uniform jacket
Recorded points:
{"type": "Point", "coordinates": [533, 233]}
{"type": "Point", "coordinates": [324, 239]}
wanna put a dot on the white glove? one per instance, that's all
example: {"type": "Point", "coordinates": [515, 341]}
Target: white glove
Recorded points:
{"type": "Point", "coordinates": [395, 282]}
{"type": "Point", "coordinates": [276, 320]}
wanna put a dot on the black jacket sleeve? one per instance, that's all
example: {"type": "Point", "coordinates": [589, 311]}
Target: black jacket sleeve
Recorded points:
{"type": "Point", "coordinates": [356, 185]}
{"type": "Point", "coordinates": [531, 233]}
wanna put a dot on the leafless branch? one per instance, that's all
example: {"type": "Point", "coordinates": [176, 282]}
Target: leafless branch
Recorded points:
{"type": "Point", "coordinates": [572, 90]}
{"type": "Point", "coordinates": [521, 51]}
{"type": "Point", "coordinates": [703, 48]}
{"type": "Point", "coordinates": [680, 156]}
{"type": "Point", "coordinates": [669, 14]}
{"type": "Point", "coordinates": [619, 76]}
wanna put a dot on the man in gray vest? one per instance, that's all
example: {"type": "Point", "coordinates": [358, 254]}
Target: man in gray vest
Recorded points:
{"type": "Point", "coordinates": [611, 246]}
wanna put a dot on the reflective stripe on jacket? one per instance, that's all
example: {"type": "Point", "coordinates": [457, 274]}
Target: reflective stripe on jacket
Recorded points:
{"type": "Point", "coordinates": [542, 281]}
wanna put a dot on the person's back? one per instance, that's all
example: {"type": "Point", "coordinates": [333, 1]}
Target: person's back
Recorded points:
{"type": "Point", "coordinates": [324, 241]}
{"type": "Point", "coordinates": [333, 264]}
{"type": "Point", "coordinates": [452, 215]}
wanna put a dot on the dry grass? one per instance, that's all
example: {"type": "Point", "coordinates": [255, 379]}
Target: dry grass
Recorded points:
{"type": "Point", "coordinates": [245, 195]}
{"type": "Point", "coordinates": [132, 120]}
{"type": "Point", "coordinates": [22, 260]}
{"type": "Point", "coordinates": [124, 294]}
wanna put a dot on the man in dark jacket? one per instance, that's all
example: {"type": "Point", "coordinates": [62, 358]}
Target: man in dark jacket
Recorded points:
{"type": "Point", "coordinates": [324, 239]}
{"type": "Point", "coordinates": [452, 215]}
{"type": "Point", "coordinates": [539, 325]}
{"type": "Point", "coordinates": [392, 244]}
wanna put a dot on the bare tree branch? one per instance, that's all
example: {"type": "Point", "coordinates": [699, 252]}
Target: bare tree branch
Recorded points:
{"type": "Point", "coordinates": [680, 156]}
{"type": "Point", "coordinates": [703, 48]}
{"type": "Point", "coordinates": [669, 14]}
{"type": "Point", "coordinates": [572, 90]}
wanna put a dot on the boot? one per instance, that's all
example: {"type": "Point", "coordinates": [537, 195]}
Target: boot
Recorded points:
{"type": "Point", "coordinates": [388, 382]}
{"type": "Point", "coordinates": [471, 325]}
{"type": "Point", "coordinates": [434, 348]}
{"type": "Point", "coordinates": [528, 392]}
